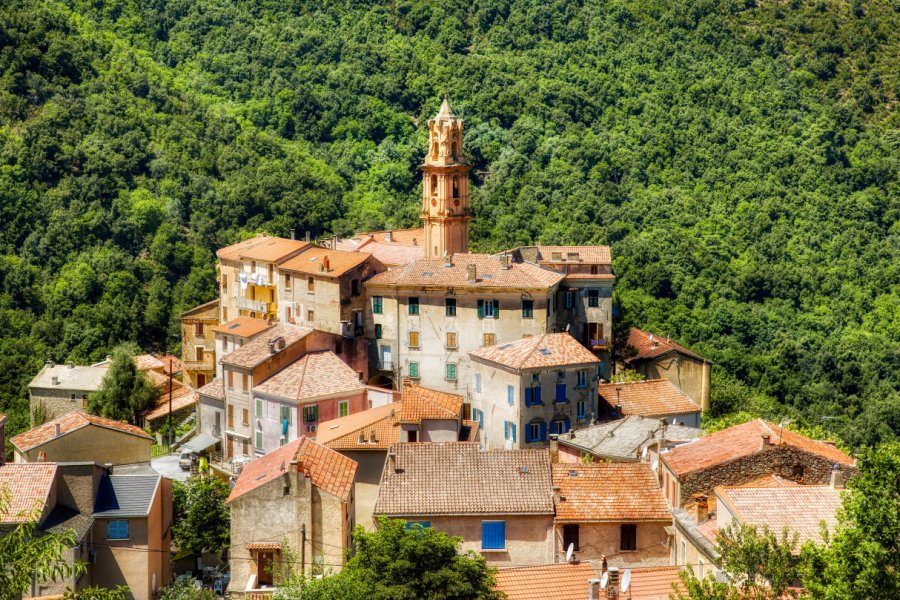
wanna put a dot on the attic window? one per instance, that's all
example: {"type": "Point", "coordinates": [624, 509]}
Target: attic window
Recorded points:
{"type": "Point", "coordinates": [556, 255]}
{"type": "Point", "coordinates": [545, 351]}
{"type": "Point", "coordinates": [487, 276]}
{"type": "Point", "coordinates": [427, 274]}
{"type": "Point", "coordinates": [234, 326]}
{"type": "Point", "coordinates": [573, 473]}
{"type": "Point", "coordinates": [260, 476]}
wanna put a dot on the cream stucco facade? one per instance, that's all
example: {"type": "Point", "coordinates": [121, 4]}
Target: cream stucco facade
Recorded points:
{"type": "Point", "coordinates": [91, 444]}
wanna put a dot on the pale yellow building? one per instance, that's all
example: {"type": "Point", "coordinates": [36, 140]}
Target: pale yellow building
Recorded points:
{"type": "Point", "coordinates": [198, 344]}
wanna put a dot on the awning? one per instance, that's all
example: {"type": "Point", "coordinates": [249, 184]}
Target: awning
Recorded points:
{"type": "Point", "coordinates": [201, 442]}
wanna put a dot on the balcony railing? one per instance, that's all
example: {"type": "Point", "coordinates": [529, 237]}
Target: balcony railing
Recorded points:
{"type": "Point", "coordinates": [254, 305]}
{"type": "Point", "coordinates": [259, 594]}
{"type": "Point", "coordinates": [207, 364]}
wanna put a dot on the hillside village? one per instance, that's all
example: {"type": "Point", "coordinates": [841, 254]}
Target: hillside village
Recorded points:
{"type": "Point", "coordinates": [395, 374]}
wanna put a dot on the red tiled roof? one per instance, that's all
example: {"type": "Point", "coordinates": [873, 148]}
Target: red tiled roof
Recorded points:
{"type": "Point", "coordinates": [651, 398]}
{"type": "Point", "coordinates": [314, 375]}
{"type": "Point", "coordinates": [343, 433]}
{"type": "Point", "coordinates": [654, 583]}
{"type": "Point", "coordinates": [645, 345]}
{"type": "Point", "coordinates": [418, 403]}
{"type": "Point", "coordinates": [170, 364]}
{"type": "Point", "coordinates": [68, 423]}
{"type": "Point", "coordinates": [582, 254]}
{"type": "Point", "coordinates": [213, 389]}
{"type": "Point", "coordinates": [329, 471]}
{"type": "Point", "coordinates": [263, 248]}
{"type": "Point", "coordinates": [245, 327]}
{"type": "Point", "coordinates": [739, 441]}
{"type": "Point", "coordinates": [561, 581]}
{"type": "Point", "coordinates": [256, 351]}
{"type": "Point", "coordinates": [543, 351]}
{"type": "Point", "coordinates": [212, 306]}
{"type": "Point", "coordinates": [800, 508]}
{"type": "Point", "coordinates": [146, 362]}
{"type": "Point", "coordinates": [28, 485]}
{"type": "Point", "coordinates": [457, 478]}
{"type": "Point", "coordinates": [312, 260]}
{"type": "Point", "coordinates": [264, 546]}
{"type": "Point", "coordinates": [488, 274]}
{"type": "Point", "coordinates": [393, 255]}
{"type": "Point", "coordinates": [399, 237]}
{"type": "Point", "coordinates": [611, 492]}
{"type": "Point", "coordinates": [181, 399]}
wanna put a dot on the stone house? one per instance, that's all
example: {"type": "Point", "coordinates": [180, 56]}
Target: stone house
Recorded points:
{"type": "Point", "coordinates": [745, 452]}
{"type": "Point", "coordinates": [60, 389]}
{"type": "Point", "coordinates": [211, 415]}
{"type": "Point", "coordinates": [631, 439]}
{"type": "Point", "coordinates": [654, 398]}
{"type": "Point", "coordinates": [612, 510]}
{"type": "Point", "coordinates": [234, 334]}
{"type": "Point", "coordinates": [527, 389]}
{"type": "Point", "coordinates": [498, 502]}
{"type": "Point", "coordinates": [300, 494]}
{"type": "Point", "coordinates": [322, 288]}
{"type": "Point", "coordinates": [658, 357]}
{"type": "Point", "coordinates": [198, 344]}
{"type": "Point", "coordinates": [78, 437]}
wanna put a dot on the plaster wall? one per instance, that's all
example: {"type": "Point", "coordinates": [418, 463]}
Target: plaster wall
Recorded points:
{"type": "Point", "coordinates": [91, 443]}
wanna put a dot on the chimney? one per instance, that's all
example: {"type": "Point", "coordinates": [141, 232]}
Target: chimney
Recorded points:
{"type": "Point", "coordinates": [271, 344]}
{"type": "Point", "coordinates": [326, 263]}
{"type": "Point", "coordinates": [299, 463]}
{"type": "Point", "coordinates": [42, 456]}
{"type": "Point", "coordinates": [54, 380]}
{"type": "Point", "coordinates": [58, 430]}
{"type": "Point", "coordinates": [618, 401]}
{"type": "Point", "coordinates": [612, 586]}
{"type": "Point", "coordinates": [406, 381]}
{"type": "Point", "coordinates": [49, 364]}
{"type": "Point", "coordinates": [836, 479]}
{"type": "Point", "coordinates": [448, 260]}
{"type": "Point", "coordinates": [414, 242]}
{"type": "Point", "coordinates": [504, 262]}
{"type": "Point", "coordinates": [700, 509]}
{"type": "Point", "coordinates": [307, 236]}
{"type": "Point", "coordinates": [109, 358]}
{"type": "Point", "coordinates": [593, 589]}
{"type": "Point", "coordinates": [471, 273]}
{"type": "Point", "coordinates": [556, 497]}
{"type": "Point", "coordinates": [389, 236]}
{"type": "Point", "coordinates": [554, 449]}
{"type": "Point", "coordinates": [764, 441]}
{"type": "Point", "coordinates": [70, 365]}
{"type": "Point", "coordinates": [362, 436]}
{"type": "Point", "coordinates": [372, 438]}
{"type": "Point", "coordinates": [293, 234]}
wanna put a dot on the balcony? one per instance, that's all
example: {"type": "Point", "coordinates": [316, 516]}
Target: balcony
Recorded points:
{"type": "Point", "coordinates": [207, 364]}
{"type": "Point", "coordinates": [253, 305]}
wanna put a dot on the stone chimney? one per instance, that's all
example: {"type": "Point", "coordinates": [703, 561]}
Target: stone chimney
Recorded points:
{"type": "Point", "coordinates": [612, 586]}
{"type": "Point", "coordinates": [448, 260]}
{"type": "Point", "coordinates": [293, 234]}
{"type": "Point", "coordinates": [307, 236]}
{"type": "Point", "coordinates": [471, 273]}
{"type": "Point", "coordinates": [700, 509]}
{"type": "Point", "coordinates": [593, 589]}
{"type": "Point", "coordinates": [504, 262]}
{"type": "Point", "coordinates": [389, 236]}
{"type": "Point", "coordinates": [54, 380]}
{"type": "Point", "coordinates": [765, 440]}
{"type": "Point", "coordinates": [70, 365]}
{"type": "Point", "coordinates": [554, 449]}
{"type": "Point", "coordinates": [58, 430]}
{"type": "Point", "coordinates": [837, 482]}
{"type": "Point", "coordinates": [326, 263]}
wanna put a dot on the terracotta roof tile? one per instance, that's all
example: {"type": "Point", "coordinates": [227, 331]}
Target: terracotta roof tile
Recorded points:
{"type": "Point", "coordinates": [538, 352]}
{"type": "Point", "coordinates": [651, 398]}
{"type": "Point", "coordinates": [263, 248]}
{"type": "Point", "coordinates": [418, 403]}
{"type": "Point", "coordinates": [624, 439]}
{"type": "Point", "coordinates": [654, 583]}
{"type": "Point", "coordinates": [399, 237]}
{"type": "Point", "coordinates": [329, 471]}
{"type": "Point", "coordinates": [343, 433]}
{"type": "Point", "coordinates": [457, 478]}
{"type": "Point", "coordinates": [256, 352]}
{"type": "Point", "coordinates": [212, 306]}
{"type": "Point", "coordinates": [312, 260]}
{"type": "Point", "coordinates": [488, 274]}
{"type": "Point", "coordinates": [562, 581]}
{"type": "Point", "coordinates": [68, 423]}
{"type": "Point", "coordinates": [181, 400]}
{"type": "Point", "coordinates": [147, 362]}
{"type": "Point", "coordinates": [170, 363]}
{"type": "Point", "coordinates": [575, 254]}
{"type": "Point", "coordinates": [393, 255]}
{"type": "Point", "coordinates": [739, 441]}
{"type": "Point", "coordinates": [2, 418]}
{"type": "Point", "coordinates": [313, 376]}
{"type": "Point", "coordinates": [644, 345]}
{"type": "Point", "coordinates": [213, 389]}
{"type": "Point", "coordinates": [28, 485]}
{"type": "Point", "coordinates": [800, 508]}
{"type": "Point", "coordinates": [612, 492]}
{"type": "Point", "coordinates": [245, 327]}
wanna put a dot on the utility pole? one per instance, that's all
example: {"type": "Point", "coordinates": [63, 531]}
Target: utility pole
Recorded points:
{"type": "Point", "coordinates": [171, 437]}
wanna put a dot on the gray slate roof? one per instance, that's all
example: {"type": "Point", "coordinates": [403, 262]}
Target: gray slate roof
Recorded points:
{"type": "Point", "coordinates": [62, 519]}
{"type": "Point", "coordinates": [623, 439]}
{"type": "Point", "coordinates": [120, 496]}
{"type": "Point", "coordinates": [76, 378]}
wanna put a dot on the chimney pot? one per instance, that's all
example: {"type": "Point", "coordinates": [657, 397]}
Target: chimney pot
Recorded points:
{"type": "Point", "coordinates": [504, 262]}
{"type": "Point", "coordinates": [472, 273]}
{"type": "Point", "coordinates": [389, 236]}
{"type": "Point", "coordinates": [448, 260]}
{"type": "Point", "coordinates": [293, 234]}
{"type": "Point", "coordinates": [58, 430]}
{"type": "Point", "coordinates": [613, 583]}
{"type": "Point", "coordinates": [70, 365]}
{"type": "Point", "coordinates": [764, 440]}
{"type": "Point", "coordinates": [593, 589]}
{"type": "Point", "coordinates": [54, 380]}
{"type": "Point", "coordinates": [307, 236]}
{"type": "Point", "coordinates": [700, 510]}
{"type": "Point", "coordinates": [326, 264]}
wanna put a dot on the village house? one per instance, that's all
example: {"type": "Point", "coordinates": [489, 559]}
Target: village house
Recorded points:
{"type": "Point", "coordinates": [211, 417]}
{"type": "Point", "coordinates": [300, 494]}
{"type": "Point", "coordinates": [745, 452]}
{"type": "Point", "coordinates": [234, 334]}
{"type": "Point", "coordinates": [79, 437]}
{"type": "Point", "coordinates": [498, 502]}
{"type": "Point", "coordinates": [530, 388]}
{"type": "Point", "coordinates": [60, 389]}
{"type": "Point", "coordinates": [658, 357]}
{"type": "Point", "coordinates": [612, 510]}
{"type": "Point", "coordinates": [630, 439]}
{"type": "Point", "coordinates": [655, 398]}
{"type": "Point", "coordinates": [198, 344]}
{"type": "Point", "coordinates": [582, 579]}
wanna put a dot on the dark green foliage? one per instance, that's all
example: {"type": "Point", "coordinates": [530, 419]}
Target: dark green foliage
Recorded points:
{"type": "Point", "coordinates": [125, 393]}
{"type": "Point", "coordinates": [202, 522]}
{"type": "Point", "coordinates": [740, 158]}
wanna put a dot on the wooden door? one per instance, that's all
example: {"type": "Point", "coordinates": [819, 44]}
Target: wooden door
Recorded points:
{"type": "Point", "coordinates": [264, 568]}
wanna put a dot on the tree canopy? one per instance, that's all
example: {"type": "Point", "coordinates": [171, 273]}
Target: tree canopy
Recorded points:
{"type": "Point", "coordinates": [125, 393]}
{"type": "Point", "coordinates": [202, 522]}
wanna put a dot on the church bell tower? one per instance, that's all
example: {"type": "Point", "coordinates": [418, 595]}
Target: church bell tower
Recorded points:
{"type": "Point", "coordinates": [445, 187]}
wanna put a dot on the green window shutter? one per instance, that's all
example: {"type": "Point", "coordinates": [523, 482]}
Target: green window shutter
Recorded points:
{"type": "Point", "coordinates": [496, 309]}
{"type": "Point", "coordinates": [481, 309]}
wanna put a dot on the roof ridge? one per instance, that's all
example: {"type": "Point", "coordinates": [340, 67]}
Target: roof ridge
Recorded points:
{"type": "Point", "coordinates": [533, 350]}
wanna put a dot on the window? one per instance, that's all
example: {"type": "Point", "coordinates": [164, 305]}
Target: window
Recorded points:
{"type": "Point", "coordinates": [581, 379]}
{"type": "Point", "coordinates": [488, 309]}
{"type": "Point", "coordinates": [285, 415]}
{"type": "Point", "coordinates": [700, 566]}
{"type": "Point", "coordinates": [354, 287]}
{"type": "Point", "coordinates": [377, 305]}
{"type": "Point", "coordinates": [288, 314]}
{"type": "Point", "coordinates": [310, 284]}
{"type": "Point", "coordinates": [260, 408]}
{"type": "Point", "coordinates": [797, 472]}
{"type": "Point", "coordinates": [493, 535]}
{"type": "Point", "coordinates": [560, 392]}
{"type": "Point", "coordinates": [378, 331]}
{"type": "Point", "coordinates": [478, 415]}
{"type": "Point", "coordinates": [117, 530]}
{"type": "Point", "coordinates": [230, 380]}
{"type": "Point", "coordinates": [629, 538]}
{"type": "Point", "coordinates": [560, 377]}
{"type": "Point", "coordinates": [533, 396]}
{"type": "Point", "coordinates": [259, 440]}
{"type": "Point", "coordinates": [343, 408]}
{"type": "Point", "coordinates": [451, 372]}
{"type": "Point", "coordinates": [417, 524]}
{"type": "Point", "coordinates": [451, 339]}
{"type": "Point", "coordinates": [535, 379]}
{"type": "Point", "coordinates": [198, 328]}
{"type": "Point", "coordinates": [287, 281]}
{"type": "Point", "coordinates": [230, 416]}
{"type": "Point", "coordinates": [386, 362]}
{"type": "Point", "coordinates": [477, 383]}
{"type": "Point", "coordinates": [527, 309]}
{"type": "Point", "coordinates": [593, 298]}
{"type": "Point", "coordinates": [510, 394]}
{"type": "Point", "coordinates": [310, 414]}
{"type": "Point", "coordinates": [683, 552]}
{"type": "Point", "coordinates": [245, 446]}
{"type": "Point", "coordinates": [413, 339]}
{"type": "Point", "coordinates": [414, 370]}
{"type": "Point", "coordinates": [245, 416]}
{"type": "Point", "coordinates": [244, 381]}
{"type": "Point", "coordinates": [450, 307]}
{"type": "Point", "coordinates": [567, 300]}
{"type": "Point", "coordinates": [488, 339]}
{"type": "Point", "coordinates": [582, 409]}
{"type": "Point", "coordinates": [533, 434]}
{"type": "Point", "coordinates": [413, 305]}
{"type": "Point", "coordinates": [509, 431]}
{"type": "Point", "coordinates": [310, 315]}
{"type": "Point", "coordinates": [570, 537]}
{"type": "Point", "coordinates": [224, 314]}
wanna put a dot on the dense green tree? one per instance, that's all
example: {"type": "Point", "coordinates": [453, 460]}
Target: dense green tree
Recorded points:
{"type": "Point", "coordinates": [202, 522]}
{"type": "Point", "coordinates": [125, 393]}
{"type": "Point", "coordinates": [185, 590]}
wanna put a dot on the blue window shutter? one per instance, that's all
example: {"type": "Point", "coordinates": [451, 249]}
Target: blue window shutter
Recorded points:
{"type": "Point", "coordinates": [493, 535]}
{"type": "Point", "coordinates": [496, 309]}
{"type": "Point", "coordinates": [512, 431]}
{"type": "Point", "coordinates": [543, 431]}
{"type": "Point", "coordinates": [560, 392]}
{"type": "Point", "coordinates": [552, 427]}
{"type": "Point", "coordinates": [528, 397]}
{"type": "Point", "coordinates": [528, 434]}
{"type": "Point", "coordinates": [537, 395]}
{"type": "Point", "coordinates": [505, 430]}
{"type": "Point", "coordinates": [510, 394]}
{"type": "Point", "coordinates": [481, 309]}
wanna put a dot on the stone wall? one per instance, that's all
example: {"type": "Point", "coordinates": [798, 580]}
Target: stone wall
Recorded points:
{"type": "Point", "coordinates": [604, 539]}
{"type": "Point", "coordinates": [56, 403]}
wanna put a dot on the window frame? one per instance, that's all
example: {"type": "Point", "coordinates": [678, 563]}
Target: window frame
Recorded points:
{"type": "Point", "coordinates": [451, 340]}
{"type": "Point", "coordinates": [343, 408]}
{"type": "Point", "coordinates": [593, 298]}
{"type": "Point", "coordinates": [488, 337]}
{"type": "Point", "coordinates": [628, 541]}
{"type": "Point", "coordinates": [118, 522]}
{"type": "Point", "coordinates": [414, 339]}
{"type": "Point", "coordinates": [449, 307]}
{"type": "Point", "coordinates": [260, 407]}
{"type": "Point", "coordinates": [451, 366]}
{"type": "Point", "coordinates": [311, 409]}
{"type": "Point", "coordinates": [413, 370]}
{"type": "Point", "coordinates": [259, 440]}
{"type": "Point", "coordinates": [527, 309]}
{"type": "Point", "coordinates": [581, 379]}
{"type": "Point", "coordinates": [498, 533]}
{"type": "Point", "coordinates": [567, 536]}
{"type": "Point", "coordinates": [413, 305]}
{"type": "Point", "coordinates": [379, 331]}
{"type": "Point", "coordinates": [377, 305]}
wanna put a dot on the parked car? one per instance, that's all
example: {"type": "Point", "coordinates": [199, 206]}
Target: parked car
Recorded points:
{"type": "Point", "coordinates": [186, 459]}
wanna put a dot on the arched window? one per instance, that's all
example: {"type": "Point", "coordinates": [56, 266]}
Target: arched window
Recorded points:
{"type": "Point", "coordinates": [455, 186]}
{"type": "Point", "coordinates": [433, 185]}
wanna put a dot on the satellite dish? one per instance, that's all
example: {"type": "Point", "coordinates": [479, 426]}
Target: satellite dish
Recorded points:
{"type": "Point", "coordinates": [570, 552]}
{"type": "Point", "coordinates": [626, 580]}
{"type": "Point", "coordinates": [654, 465]}
{"type": "Point", "coordinates": [644, 452]}
{"type": "Point", "coordinates": [604, 579]}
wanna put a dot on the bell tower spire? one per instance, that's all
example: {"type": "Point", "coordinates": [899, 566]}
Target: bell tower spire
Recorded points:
{"type": "Point", "coordinates": [445, 187]}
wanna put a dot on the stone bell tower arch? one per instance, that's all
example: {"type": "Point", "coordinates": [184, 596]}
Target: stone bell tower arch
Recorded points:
{"type": "Point", "coordinates": [445, 187]}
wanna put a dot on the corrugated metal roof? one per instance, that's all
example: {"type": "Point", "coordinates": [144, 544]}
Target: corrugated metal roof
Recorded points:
{"type": "Point", "coordinates": [125, 496]}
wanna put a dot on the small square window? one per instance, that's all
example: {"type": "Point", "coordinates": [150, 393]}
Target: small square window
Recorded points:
{"type": "Point", "coordinates": [527, 309]}
{"type": "Point", "coordinates": [450, 307]}
{"type": "Point", "coordinates": [377, 305]}
{"type": "Point", "coordinates": [488, 339]}
{"type": "Point", "coordinates": [117, 530]}
{"type": "Point", "coordinates": [493, 535]}
{"type": "Point", "coordinates": [414, 370]}
{"type": "Point", "coordinates": [451, 372]}
{"type": "Point", "coordinates": [593, 298]}
{"type": "Point", "coordinates": [310, 315]}
{"type": "Point", "coordinates": [343, 408]}
{"type": "Point", "coordinates": [451, 339]}
{"type": "Point", "coordinates": [310, 284]}
{"type": "Point", "coordinates": [310, 414]}
{"type": "Point", "coordinates": [413, 306]}
{"type": "Point", "coordinates": [413, 339]}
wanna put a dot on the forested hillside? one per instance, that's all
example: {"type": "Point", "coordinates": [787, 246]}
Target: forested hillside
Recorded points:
{"type": "Point", "coordinates": [740, 158]}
